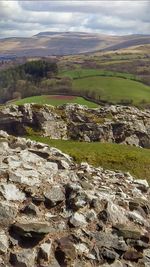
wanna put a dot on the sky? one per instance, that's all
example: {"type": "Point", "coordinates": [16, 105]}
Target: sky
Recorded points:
{"type": "Point", "coordinates": [27, 18]}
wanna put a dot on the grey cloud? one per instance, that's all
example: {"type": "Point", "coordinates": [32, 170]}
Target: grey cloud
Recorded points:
{"type": "Point", "coordinates": [126, 9]}
{"type": "Point", "coordinates": [107, 23]}
{"type": "Point", "coordinates": [25, 18]}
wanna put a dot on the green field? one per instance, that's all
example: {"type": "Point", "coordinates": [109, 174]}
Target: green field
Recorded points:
{"type": "Point", "coordinates": [110, 156]}
{"type": "Point", "coordinates": [55, 100]}
{"type": "Point", "coordinates": [114, 89]}
{"type": "Point", "coordinates": [83, 73]}
{"type": "Point", "coordinates": [110, 86]}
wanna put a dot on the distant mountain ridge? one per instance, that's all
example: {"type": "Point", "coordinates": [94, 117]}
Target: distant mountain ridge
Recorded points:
{"type": "Point", "coordinates": [67, 43]}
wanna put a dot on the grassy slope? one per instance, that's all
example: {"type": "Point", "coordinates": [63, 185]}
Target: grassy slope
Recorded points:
{"type": "Point", "coordinates": [81, 73]}
{"type": "Point", "coordinates": [110, 156]}
{"type": "Point", "coordinates": [114, 89]}
{"type": "Point", "coordinates": [51, 100]}
{"type": "Point", "coordinates": [111, 86]}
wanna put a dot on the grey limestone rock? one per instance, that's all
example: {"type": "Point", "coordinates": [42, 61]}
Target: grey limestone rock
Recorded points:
{"type": "Point", "coordinates": [54, 212]}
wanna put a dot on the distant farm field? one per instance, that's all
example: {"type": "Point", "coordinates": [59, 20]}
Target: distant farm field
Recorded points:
{"type": "Point", "coordinates": [111, 86]}
{"type": "Point", "coordinates": [83, 73]}
{"type": "Point", "coordinates": [113, 89]}
{"type": "Point", "coordinates": [109, 156]}
{"type": "Point", "coordinates": [55, 100]}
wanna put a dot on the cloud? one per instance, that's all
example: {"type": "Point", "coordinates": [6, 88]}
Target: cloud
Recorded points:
{"type": "Point", "coordinates": [25, 18]}
{"type": "Point", "coordinates": [127, 9]}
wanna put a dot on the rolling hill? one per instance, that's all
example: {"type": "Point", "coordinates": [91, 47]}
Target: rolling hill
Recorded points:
{"type": "Point", "coordinates": [66, 43]}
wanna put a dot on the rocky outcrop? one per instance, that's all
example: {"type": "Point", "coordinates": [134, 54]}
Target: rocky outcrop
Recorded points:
{"type": "Point", "coordinates": [119, 124]}
{"type": "Point", "coordinates": [55, 213]}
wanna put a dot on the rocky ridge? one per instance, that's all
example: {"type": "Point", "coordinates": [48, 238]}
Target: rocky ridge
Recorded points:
{"type": "Point", "coordinates": [55, 213]}
{"type": "Point", "coordinates": [119, 124]}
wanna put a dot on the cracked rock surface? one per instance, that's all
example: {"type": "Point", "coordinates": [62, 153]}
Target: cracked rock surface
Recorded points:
{"type": "Point", "coordinates": [118, 124]}
{"type": "Point", "coordinates": [49, 218]}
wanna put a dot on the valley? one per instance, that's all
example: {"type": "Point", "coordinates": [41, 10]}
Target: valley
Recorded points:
{"type": "Point", "coordinates": [75, 150]}
{"type": "Point", "coordinates": [115, 77]}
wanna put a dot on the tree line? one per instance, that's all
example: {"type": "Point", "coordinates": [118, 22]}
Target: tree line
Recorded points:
{"type": "Point", "coordinates": [25, 79]}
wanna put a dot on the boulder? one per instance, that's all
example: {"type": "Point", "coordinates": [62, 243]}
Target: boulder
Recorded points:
{"type": "Point", "coordinates": [8, 212]}
{"type": "Point", "coordinates": [128, 232]}
{"type": "Point", "coordinates": [54, 195]}
{"type": "Point", "coordinates": [141, 184]}
{"type": "Point", "coordinates": [32, 227]}
{"type": "Point", "coordinates": [45, 251]}
{"type": "Point", "coordinates": [109, 254]}
{"type": "Point", "coordinates": [78, 220]}
{"type": "Point", "coordinates": [11, 192]}
{"type": "Point", "coordinates": [4, 243]}
{"type": "Point", "coordinates": [65, 251]}
{"type": "Point", "coordinates": [30, 210]}
{"type": "Point", "coordinates": [108, 240]}
{"type": "Point", "coordinates": [132, 255]}
{"type": "Point", "coordinates": [24, 258]}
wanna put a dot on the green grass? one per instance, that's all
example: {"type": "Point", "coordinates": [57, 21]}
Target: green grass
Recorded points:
{"type": "Point", "coordinates": [109, 85]}
{"type": "Point", "coordinates": [114, 89]}
{"type": "Point", "coordinates": [110, 156]}
{"type": "Point", "coordinates": [55, 100]}
{"type": "Point", "coordinates": [82, 73]}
